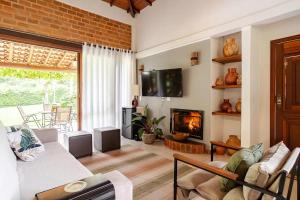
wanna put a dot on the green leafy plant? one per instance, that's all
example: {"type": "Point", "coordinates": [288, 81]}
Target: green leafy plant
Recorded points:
{"type": "Point", "coordinates": [147, 123]}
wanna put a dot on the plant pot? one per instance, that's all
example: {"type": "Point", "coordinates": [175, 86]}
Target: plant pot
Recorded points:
{"type": "Point", "coordinates": [233, 140]}
{"type": "Point", "coordinates": [148, 138]}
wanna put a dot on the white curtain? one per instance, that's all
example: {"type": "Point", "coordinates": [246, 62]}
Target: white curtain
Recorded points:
{"type": "Point", "coordinates": [107, 79]}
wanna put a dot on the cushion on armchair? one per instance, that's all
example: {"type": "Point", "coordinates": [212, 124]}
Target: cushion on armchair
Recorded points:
{"type": "Point", "coordinates": [262, 173]}
{"type": "Point", "coordinates": [239, 164]}
{"type": "Point", "coordinates": [235, 194]}
{"type": "Point", "coordinates": [195, 178]}
{"type": "Point", "coordinates": [211, 189]}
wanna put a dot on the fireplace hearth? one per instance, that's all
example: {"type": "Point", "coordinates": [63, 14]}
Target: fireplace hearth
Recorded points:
{"type": "Point", "coordinates": [187, 121]}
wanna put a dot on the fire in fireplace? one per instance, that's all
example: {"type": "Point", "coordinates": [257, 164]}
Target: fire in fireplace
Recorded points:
{"type": "Point", "coordinates": [187, 121]}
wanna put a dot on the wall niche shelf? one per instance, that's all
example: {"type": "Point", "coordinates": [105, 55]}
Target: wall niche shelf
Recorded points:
{"type": "Point", "coordinates": [233, 114]}
{"type": "Point", "coordinates": [230, 59]}
{"type": "Point", "coordinates": [226, 86]}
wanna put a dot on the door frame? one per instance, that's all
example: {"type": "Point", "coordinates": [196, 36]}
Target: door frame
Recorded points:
{"type": "Point", "coordinates": [46, 41]}
{"type": "Point", "coordinates": [275, 61]}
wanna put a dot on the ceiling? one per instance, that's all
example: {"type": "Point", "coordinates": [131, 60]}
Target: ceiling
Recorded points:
{"type": "Point", "coordinates": [131, 6]}
{"type": "Point", "coordinates": [14, 54]}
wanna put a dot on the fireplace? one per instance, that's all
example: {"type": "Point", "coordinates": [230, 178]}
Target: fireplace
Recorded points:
{"type": "Point", "coordinates": [187, 121]}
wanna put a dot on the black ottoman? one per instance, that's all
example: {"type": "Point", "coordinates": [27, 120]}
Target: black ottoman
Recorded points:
{"type": "Point", "coordinates": [79, 143]}
{"type": "Point", "coordinates": [107, 139]}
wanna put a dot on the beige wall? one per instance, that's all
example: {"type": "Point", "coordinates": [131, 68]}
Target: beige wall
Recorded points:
{"type": "Point", "coordinates": [196, 83]}
{"type": "Point", "coordinates": [260, 85]}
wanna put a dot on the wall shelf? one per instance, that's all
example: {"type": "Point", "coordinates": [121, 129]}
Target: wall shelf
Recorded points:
{"type": "Point", "coordinates": [233, 114]}
{"type": "Point", "coordinates": [230, 59]}
{"type": "Point", "coordinates": [226, 86]}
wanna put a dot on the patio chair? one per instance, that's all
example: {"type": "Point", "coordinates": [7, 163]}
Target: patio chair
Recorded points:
{"type": "Point", "coordinates": [62, 118]}
{"type": "Point", "coordinates": [204, 183]}
{"type": "Point", "coordinates": [31, 118]}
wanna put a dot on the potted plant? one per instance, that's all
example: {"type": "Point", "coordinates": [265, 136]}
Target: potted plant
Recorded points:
{"type": "Point", "coordinates": [149, 129]}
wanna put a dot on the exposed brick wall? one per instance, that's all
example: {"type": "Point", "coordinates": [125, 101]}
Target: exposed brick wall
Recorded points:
{"type": "Point", "coordinates": [55, 19]}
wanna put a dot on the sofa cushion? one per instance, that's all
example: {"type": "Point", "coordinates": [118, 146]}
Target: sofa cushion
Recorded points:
{"type": "Point", "coordinates": [195, 178]}
{"type": "Point", "coordinates": [239, 164]}
{"type": "Point", "coordinates": [52, 168]}
{"type": "Point", "coordinates": [260, 173]}
{"type": "Point", "coordinates": [234, 194]}
{"type": "Point", "coordinates": [211, 189]}
{"type": "Point", "coordinates": [274, 157]}
{"type": "Point", "coordinates": [9, 182]}
{"type": "Point", "coordinates": [24, 143]}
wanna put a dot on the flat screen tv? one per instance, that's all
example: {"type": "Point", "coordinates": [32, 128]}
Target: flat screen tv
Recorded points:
{"type": "Point", "coordinates": [162, 83]}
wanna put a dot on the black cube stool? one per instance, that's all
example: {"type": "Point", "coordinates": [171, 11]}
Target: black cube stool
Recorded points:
{"type": "Point", "coordinates": [79, 143]}
{"type": "Point", "coordinates": [107, 139]}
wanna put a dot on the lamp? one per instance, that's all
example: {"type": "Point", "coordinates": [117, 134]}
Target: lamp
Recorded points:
{"type": "Point", "coordinates": [135, 93]}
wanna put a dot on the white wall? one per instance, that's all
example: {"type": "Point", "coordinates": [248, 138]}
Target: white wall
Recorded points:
{"type": "Point", "coordinates": [172, 23]}
{"type": "Point", "coordinates": [196, 83]}
{"type": "Point", "coordinates": [102, 8]}
{"type": "Point", "coordinates": [260, 103]}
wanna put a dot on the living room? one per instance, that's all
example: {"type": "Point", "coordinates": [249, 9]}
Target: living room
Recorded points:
{"type": "Point", "coordinates": [144, 99]}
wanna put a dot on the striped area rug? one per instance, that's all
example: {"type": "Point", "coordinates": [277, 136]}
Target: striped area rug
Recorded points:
{"type": "Point", "coordinates": [151, 174]}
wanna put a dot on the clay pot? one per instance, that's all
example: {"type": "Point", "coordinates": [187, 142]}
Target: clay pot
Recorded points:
{"type": "Point", "coordinates": [238, 106]}
{"type": "Point", "coordinates": [230, 47]}
{"type": "Point", "coordinates": [239, 80]}
{"type": "Point", "coordinates": [148, 138]}
{"type": "Point", "coordinates": [233, 140]}
{"type": "Point", "coordinates": [219, 81]}
{"type": "Point", "coordinates": [220, 150]}
{"type": "Point", "coordinates": [225, 105]}
{"type": "Point", "coordinates": [231, 76]}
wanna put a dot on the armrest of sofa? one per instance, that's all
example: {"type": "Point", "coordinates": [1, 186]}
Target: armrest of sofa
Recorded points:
{"type": "Point", "coordinates": [46, 134]}
{"type": "Point", "coordinates": [206, 167]}
{"type": "Point", "coordinates": [96, 187]}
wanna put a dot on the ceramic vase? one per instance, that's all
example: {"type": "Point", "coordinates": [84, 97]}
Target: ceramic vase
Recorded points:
{"type": "Point", "coordinates": [230, 47]}
{"type": "Point", "coordinates": [233, 140]}
{"type": "Point", "coordinates": [239, 80]}
{"type": "Point", "coordinates": [238, 106]}
{"type": "Point", "coordinates": [231, 76]}
{"type": "Point", "coordinates": [220, 150]}
{"type": "Point", "coordinates": [225, 105]}
{"type": "Point", "coordinates": [219, 81]}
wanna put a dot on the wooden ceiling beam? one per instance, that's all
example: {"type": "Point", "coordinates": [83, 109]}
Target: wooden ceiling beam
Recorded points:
{"type": "Point", "coordinates": [149, 2]}
{"type": "Point", "coordinates": [36, 67]}
{"type": "Point", "coordinates": [30, 54]}
{"type": "Point", "coordinates": [112, 2]}
{"type": "Point", "coordinates": [131, 8]}
{"type": "Point", "coordinates": [135, 9]}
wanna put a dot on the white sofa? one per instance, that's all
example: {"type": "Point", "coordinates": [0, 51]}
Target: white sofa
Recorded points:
{"type": "Point", "coordinates": [54, 167]}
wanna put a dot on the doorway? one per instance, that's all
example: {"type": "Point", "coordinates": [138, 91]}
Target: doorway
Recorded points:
{"type": "Point", "coordinates": [46, 67]}
{"type": "Point", "coordinates": [285, 91]}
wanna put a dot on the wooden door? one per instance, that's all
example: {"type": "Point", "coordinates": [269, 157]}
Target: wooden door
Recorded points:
{"type": "Point", "coordinates": [285, 91]}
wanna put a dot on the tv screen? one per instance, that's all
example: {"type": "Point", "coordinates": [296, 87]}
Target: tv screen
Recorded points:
{"type": "Point", "coordinates": [170, 82]}
{"type": "Point", "coordinates": [162, 83]}
{"type": "Point", "coordinates": [150, 83]}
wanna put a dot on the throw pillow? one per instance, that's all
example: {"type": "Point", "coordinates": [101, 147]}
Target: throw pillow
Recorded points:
{"type": "Point", "coordinates": [24, 143]}
{"type": "Point", "coordinates": [262, 173]}
{"type": "Point", "coordinates": [239, 164]}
